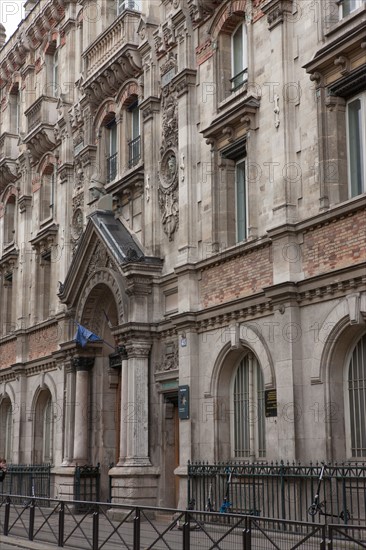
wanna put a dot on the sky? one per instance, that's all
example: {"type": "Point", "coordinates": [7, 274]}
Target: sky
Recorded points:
{"type": "Point", "coordinates": [11, 13]}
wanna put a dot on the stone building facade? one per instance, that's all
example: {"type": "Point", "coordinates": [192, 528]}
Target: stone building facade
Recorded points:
{"type": "Point", "coordinates": [186, 179]}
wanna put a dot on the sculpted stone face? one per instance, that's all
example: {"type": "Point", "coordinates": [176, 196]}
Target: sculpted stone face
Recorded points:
{"type": "Point", "coordinates": [172, 163]}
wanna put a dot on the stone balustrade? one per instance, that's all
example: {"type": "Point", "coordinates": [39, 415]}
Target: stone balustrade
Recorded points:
{"type": "Point", "coordinates": [122, 32]}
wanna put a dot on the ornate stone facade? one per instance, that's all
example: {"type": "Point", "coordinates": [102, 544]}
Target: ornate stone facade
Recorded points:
{"type": "Point", "coordinates": [179, 181]}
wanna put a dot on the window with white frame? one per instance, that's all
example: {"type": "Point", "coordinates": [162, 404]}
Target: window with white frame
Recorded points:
{"type": "Point", "coordinates": [123, 5]}
{"type": "Point", "coordinates": [356, 144]}
{"type": "Point", "coordinates": [248, 421]}
{"type": "Point", "coordinates": [239, 57]}
{"type": "Point", "coordinates": [241, 201]}
{"type": "Point", "coordinates": [348, 6]}
{"type": "Point", "coordinates": [55, 74]}
{"type": "Point", "coordinates": [356, 399]}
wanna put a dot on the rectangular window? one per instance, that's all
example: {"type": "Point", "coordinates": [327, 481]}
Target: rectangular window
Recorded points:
{"type": "Point", "coordinates": [356, 144]}
{"type": "Point", "coordinates": [241, 201]}
{"type": "Point", "coordinates": [239, 57]}
{"type": "Point", "coordinates": [134, 154]}
{"type": "Point", "coordinates": [55, 75]}
{"type": "Point", "coordinates": [348, 6]}
{"type": "Point", "coordinates": [123, 5]}
{"type": "Point", "coordinates": [111, 151]}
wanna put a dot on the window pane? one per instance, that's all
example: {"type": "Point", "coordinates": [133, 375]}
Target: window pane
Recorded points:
{"type": "Point", "coordinates": [113, 139]}
{"type": "Point", "coordinates": [357, 399]}
{"type": "Point", "coordinates": [349, 6]}
{"type": "Point", "coordinates": [241, 222]}
{"type": "Point", "coordinates": [355, 146]}
{"type": "Point", "coordinates": [249, 413]}
{"type": "Point", "coordinates": [135, 123]}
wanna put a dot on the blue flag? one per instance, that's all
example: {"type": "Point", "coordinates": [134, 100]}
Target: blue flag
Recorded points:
{"type": "Point", "coordinates": [83, 336]}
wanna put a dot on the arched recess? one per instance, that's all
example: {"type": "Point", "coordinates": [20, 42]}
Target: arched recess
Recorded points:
{"type": "Point", "coordinates": [43, 426]}
{"type": "Point", "coordinates": [109, 286]}
{"type": "Point", "coordinates": [227, 18]}
{"type": "Point", "coordinates": [100, 309]}
{"type": "Point", "coordinates": [108, 106]}
{"type": "Point", "coordinates": [6, 427]}
{"type": "Point", "coordinates": [346, 325]}
{"type": "Point", "coordinates": [222, 382]}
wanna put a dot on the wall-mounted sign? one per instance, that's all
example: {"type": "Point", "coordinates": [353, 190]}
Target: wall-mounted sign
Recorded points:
{"type": "Point", "coordinates": [270, 401]}
{"type": "Point", "coordinates": [183, 402]}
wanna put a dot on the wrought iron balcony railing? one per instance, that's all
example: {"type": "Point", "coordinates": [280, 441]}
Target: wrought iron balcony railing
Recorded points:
{"type": "Point", "coordinates": [134, 152]}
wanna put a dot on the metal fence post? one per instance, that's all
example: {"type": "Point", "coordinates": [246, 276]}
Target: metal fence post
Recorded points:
{"type": "Point", "coordinates": [136, 529]}
{"type": "Point", "coordinates": [330, 543]}
{"type": "Point", "coordinates": [186, 532]}
{"type": "Point", "coordinates": [247, 535]}
{"type": "Point", "coordinates": [7, 516]}
{"type": "Point", "coordinates": [32, 510]}
{"type": "Point", "coordinates": [324, 542]}
{"type": "Point", "coordinates": [61, 525]}
{"type": "Point", "coordinates": [95, 529]}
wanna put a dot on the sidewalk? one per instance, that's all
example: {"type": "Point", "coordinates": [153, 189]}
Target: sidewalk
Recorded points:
{"type": "Point", "coordinates": [13, 543]}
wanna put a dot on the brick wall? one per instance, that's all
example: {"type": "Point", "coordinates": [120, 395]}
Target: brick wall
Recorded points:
{"type": "Point", "coordinates": [7, 353]}
{"type": "Point", "coordinates": [43, 342]}
{"type": "Point", "coordinates": [338, 244]}
{"type": "Point", "coordinates": [237, 277]}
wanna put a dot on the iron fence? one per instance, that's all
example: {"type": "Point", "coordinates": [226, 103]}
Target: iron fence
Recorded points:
{"type": "Point", "coordinates": [281, 490]}
{"type": "Point", "coordinates": [29, 480]}
{"type": "Point", "coordinates": [110, 526]}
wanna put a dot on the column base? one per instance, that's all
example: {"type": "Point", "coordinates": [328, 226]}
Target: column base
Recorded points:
{"type": "Point", "coordinates": [134, 485]}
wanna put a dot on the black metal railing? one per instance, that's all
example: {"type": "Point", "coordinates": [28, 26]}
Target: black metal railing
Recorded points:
{"type": "Point", "coordinates": [239, 79]}
{"type": "Point", "coordinates": [105, 525]}
{"type": "Point", "coordinates": [281, 490]}
{"type": "Point", "coordinates": [112, 167]}
{"type": "Point", "coordinates": [30, 480]}
{"type": "Point", "coordinates": [134, 151]}
{"type": "Point", "coordinates": [86, 484]}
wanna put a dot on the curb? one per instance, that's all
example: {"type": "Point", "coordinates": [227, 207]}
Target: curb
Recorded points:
{"type": "Point", "coordinates": [19, 542]}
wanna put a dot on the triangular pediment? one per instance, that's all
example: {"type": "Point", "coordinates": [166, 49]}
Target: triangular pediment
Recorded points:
{"type": "Point", "coordinates": [106, 244]}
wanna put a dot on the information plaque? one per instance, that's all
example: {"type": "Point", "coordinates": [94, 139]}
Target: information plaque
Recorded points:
{"type": "Point", "coordinates": [183, 402]}
{"type": "Point", "coordinates": [270, 401]}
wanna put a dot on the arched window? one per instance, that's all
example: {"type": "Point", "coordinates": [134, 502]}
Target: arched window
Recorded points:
{"type": "Point", "coordinates": [43, 429]}
{"type": "Point", "coordinates": [6, 429]}
{"type": "Point", "coordinates": [248, 420]}
{"type": "Point", "coordinates": [356, 398]}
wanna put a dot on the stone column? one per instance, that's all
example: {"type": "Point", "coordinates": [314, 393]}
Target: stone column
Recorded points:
{"type": "Point", "coordinates": [124, 412]}
{"type": "Point", "coordinates": [69, 414]}
{"type": "Point", "coordinates": [136, 414]}
{"type": "Point", "coordinates": [83, 366]}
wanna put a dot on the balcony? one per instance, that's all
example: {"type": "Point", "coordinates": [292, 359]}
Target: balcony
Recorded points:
{"type": "Point", "coordinates": [9, 151]}
{"type": "Point", "coordinates": [112, 58]}
{"type": "Point", "coordinates": [41, 119]}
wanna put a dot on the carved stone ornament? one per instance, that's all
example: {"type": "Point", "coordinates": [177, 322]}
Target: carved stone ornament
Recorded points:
{"type": "Point", "coordinates": [77, 224]}
{"type": "Point", "coordinates": [169, 359]}
{"type": "Point", "coordinates": [168, 172]}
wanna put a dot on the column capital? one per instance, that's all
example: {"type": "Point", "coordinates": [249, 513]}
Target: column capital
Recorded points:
{"type": "Point", "coordinates": [82, 363]}
{"type": "Point", "coordinates": [138, 349]}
